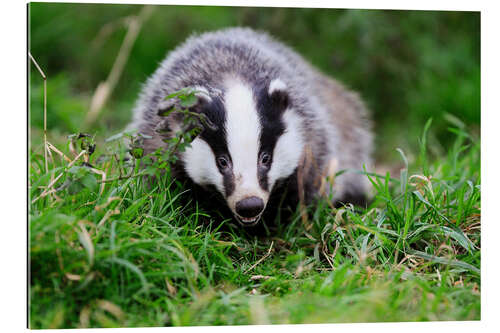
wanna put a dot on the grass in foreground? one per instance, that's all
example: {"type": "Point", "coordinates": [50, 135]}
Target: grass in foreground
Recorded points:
{"type": "Point", "coordinates": [131, 255]}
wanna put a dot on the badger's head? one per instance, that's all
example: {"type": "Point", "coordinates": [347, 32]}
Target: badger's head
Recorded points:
{"type": "Point", "coordinates": [254, 139]}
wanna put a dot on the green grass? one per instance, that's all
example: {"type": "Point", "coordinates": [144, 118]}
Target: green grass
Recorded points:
{"type": "Point", "coordinates": [141, 255]}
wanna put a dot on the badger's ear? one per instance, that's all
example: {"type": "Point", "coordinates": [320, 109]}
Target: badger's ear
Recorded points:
{"type": "Point", "coordinates": [195, 99]}
{"type": "Point", "coordinates": [278, 94]}
{"type": "Point", "coordinates": [192, 98]}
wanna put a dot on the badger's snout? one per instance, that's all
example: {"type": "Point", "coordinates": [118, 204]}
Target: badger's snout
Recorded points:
{"type": "Point", "coordinates": [250, 208]}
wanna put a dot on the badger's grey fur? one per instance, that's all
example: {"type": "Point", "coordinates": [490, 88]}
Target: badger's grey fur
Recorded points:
{"type": "Point", "coordinates": [275, 119]}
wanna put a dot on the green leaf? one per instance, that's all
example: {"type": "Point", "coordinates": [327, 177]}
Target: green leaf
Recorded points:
{"type": "Point", "coordinates": [89, 182]}
{"type": "Point", "coordinates": [75, 170]}
{"type": "Point", "coordinates": [137, 152]}
{"type": "Point", "coordinates": [167, 111]}
{"type": "Point", "coordinates": [75, 187]}
{"type": "Point", "coordinates": [189, 101]}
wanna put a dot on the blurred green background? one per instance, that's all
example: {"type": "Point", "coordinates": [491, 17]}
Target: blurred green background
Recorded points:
{"type": "Point", "coordinates": [407, 65]}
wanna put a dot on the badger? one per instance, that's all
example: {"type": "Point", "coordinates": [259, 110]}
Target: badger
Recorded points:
{"type": "Point", "coordinates": [275, 124]}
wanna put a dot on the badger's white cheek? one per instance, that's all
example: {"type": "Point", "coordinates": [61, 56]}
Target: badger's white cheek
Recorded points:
{"type": "Point", "coordinates": [288, 149]}
{"type": "Point", "coordinates": [199, 162]}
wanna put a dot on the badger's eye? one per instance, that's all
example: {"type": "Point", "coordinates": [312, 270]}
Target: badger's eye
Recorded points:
{"type": "Point", "coordinates": [223, 163]}
{"type": "Point", "coordinates": [265, 159]}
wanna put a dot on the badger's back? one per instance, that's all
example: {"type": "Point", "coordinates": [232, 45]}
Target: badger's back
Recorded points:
{"type": "Point", "coordinates": [204, 60]}
{"type": "Point", "coordinates": [335, 124]}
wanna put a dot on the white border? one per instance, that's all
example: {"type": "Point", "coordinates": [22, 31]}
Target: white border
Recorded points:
{"type": "Point", "coordinates": [13, 134]}
{"type": "Point", "coordinates": [361, 4]}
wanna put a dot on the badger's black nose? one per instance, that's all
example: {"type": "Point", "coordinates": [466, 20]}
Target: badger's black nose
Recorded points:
{"type": "Point", "coordinates": [249, 207]}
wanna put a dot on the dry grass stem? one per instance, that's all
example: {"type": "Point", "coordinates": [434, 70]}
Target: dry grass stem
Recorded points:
{"type": "Point", "coordinates": [104, 205]}
{"type": "Point", "coordinates": [107, 30]}
{"type": "Point", "coordinates": [420, 182]}
{"type": "Point", "coordinates": [329, 257]}
{"type": "Point", "coordinates": [49, 189]}
{"type": "Point", "coordinates": [106, 216]}
{"type": "Point", "coordinates": [261, 259]}
{"type": "Point", "coordinates": [73, 277]}
{"type": "Point", "coordinates": [50, 146]}
{"type": "Point", "coordinates": [105, 89]}
{"type": "Point", "coordinates": [86, 241]}
{"type": "Point", "coordinates": [44, 77]}
{"type": "Point", "coordinates": [260, 277]}
{"type": "Point", "coordinates": [112, 308]}
{"type": "Point", "coordinates": [85, 317]}
{"type": "Point", "coordinates": [103, 178]}
{"type": "Point", "coordinates": [170, 287]}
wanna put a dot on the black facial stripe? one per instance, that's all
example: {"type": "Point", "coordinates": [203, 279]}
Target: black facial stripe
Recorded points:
{"type": "Point", "coordinates": [270, 115]}
{"type": "Point", "coordinates": [216, 138]}
{"type": "Point", "coordinates": [228, 181]}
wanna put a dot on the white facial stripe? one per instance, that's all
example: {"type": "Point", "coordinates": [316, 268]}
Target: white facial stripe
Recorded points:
{"type": "Point", "coordinates": [242, 129]}
{"type": "Point", "coordinates": [242, 134]}
{"type": "Point", "coordinates": [288, 149]}
{"type": "Point", "coordinates": [276, 84]}
{"type": "Point", "coordinates": [199, 161]}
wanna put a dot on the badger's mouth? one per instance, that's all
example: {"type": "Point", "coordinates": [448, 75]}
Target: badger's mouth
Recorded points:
{"type": "Point", "coordinates": [247, 221]}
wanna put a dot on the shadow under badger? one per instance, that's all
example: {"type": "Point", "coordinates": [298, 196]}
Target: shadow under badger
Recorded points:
{"type": "Point", "coordinates": [274, 123]}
